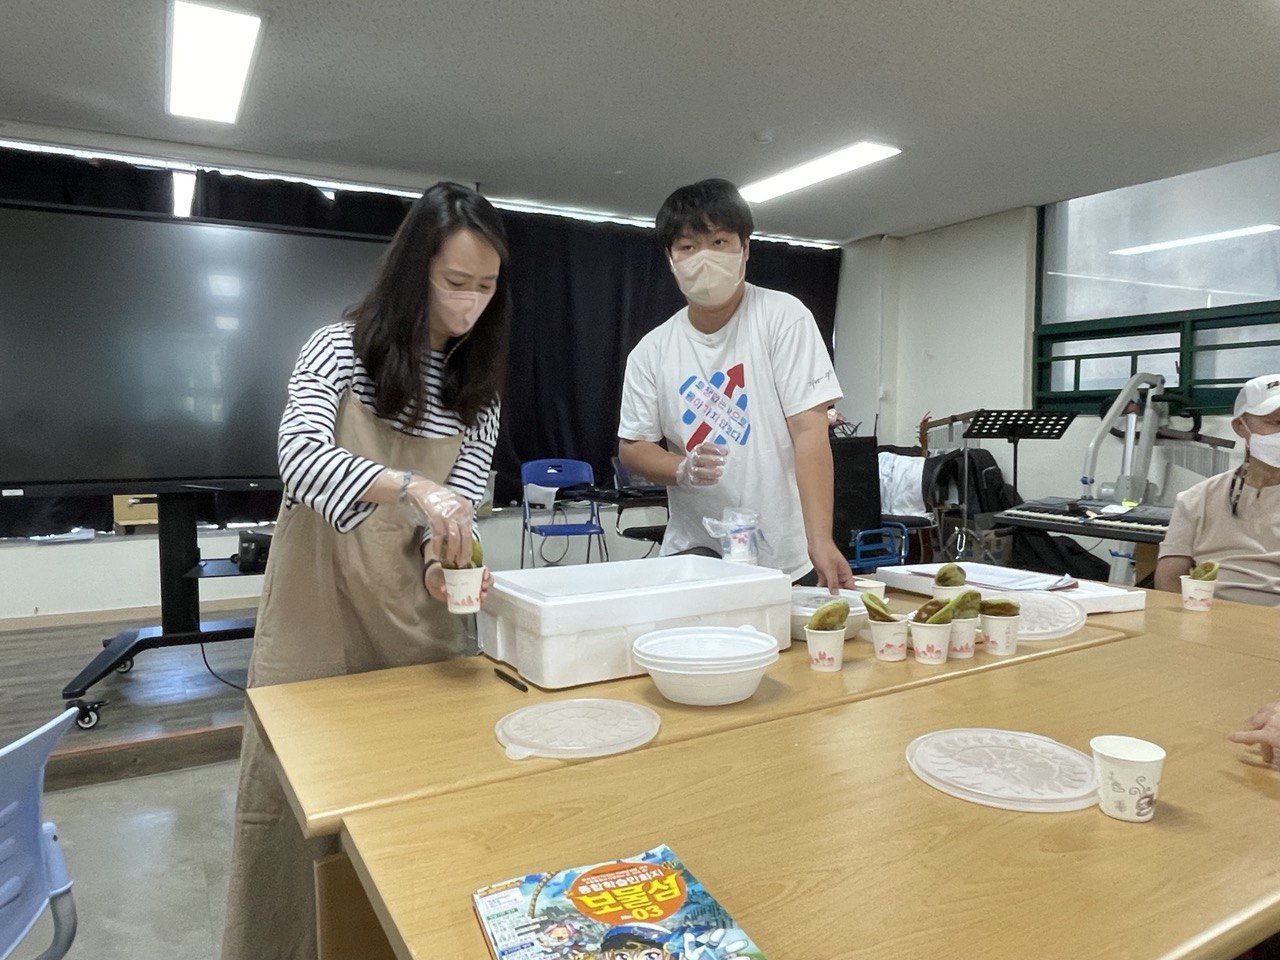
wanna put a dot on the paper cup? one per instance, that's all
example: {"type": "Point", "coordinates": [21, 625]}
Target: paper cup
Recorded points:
{"type": "Point", "coordinates": [1197, 595]}
{"type": "Point", "coordinates": [869, 586]}
{"type": "Point", "coordinates": [964, 637]}
{"type": "Point", "coordinates": [826, 649]}
{"type": "Point", "coordinates": [1128, 776]}
{"type": "Point", "coordinates": [946, 593]}
{"type": "Point", "coordinates": [931, 641]}
{"type": "Point", "coordinates": [1000, 634]}
{"type": "Point", "coordinates": [889, 640]}
{"type": "Point", "coordinates": [463, 589]}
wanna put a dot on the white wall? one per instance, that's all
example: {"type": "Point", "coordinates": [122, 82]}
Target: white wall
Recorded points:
{"type": "Point", "coordinates": [119, 573]}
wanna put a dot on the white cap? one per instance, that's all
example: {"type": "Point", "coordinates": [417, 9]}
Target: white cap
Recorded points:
{"type": "Point", "coordinates": [1260, 396]}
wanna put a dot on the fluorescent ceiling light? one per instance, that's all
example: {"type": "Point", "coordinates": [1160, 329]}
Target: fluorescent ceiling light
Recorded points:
{"type": "Point", "coordinates": [227, 323]}
{"type": "Point", "coordinates": [210, 51]}
{"type": "Point", "coordinates": [1192, 241]}
{"type": "Point", "coordinates": [224, 284]}
{"type": "Point", "coordinates": [860, 154]}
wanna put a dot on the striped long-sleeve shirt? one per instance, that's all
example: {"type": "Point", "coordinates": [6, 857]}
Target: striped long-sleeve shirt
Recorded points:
{"type": "Point", "coordinates": [329, 479]}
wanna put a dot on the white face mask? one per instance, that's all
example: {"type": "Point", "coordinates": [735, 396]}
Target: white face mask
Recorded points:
{"type": "Point", "coordinates": [1265, 447]}
{"type": "Point", "coordinates": [457, 310]}
{"type": "Point", "coordinates": [709, 277]}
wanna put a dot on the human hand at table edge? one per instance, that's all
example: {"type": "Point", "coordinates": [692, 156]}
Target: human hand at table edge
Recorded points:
{"type": "Point", "coordinates": [1264, 730]}
{"type": "Point", "coordinates": [832, 567]}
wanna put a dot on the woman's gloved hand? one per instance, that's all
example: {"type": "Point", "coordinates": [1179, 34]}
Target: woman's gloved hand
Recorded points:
{"type": "Point", "coordinates": [446, 514]}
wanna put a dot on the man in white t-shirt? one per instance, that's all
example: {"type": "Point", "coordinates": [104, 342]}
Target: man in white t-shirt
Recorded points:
{"type": "Point", "coordinates": [1234, 517]}
{"type": "Point", "coordinates": [737, 385]}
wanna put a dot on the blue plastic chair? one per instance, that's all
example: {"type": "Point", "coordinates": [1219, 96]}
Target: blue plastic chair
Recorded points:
{"type": "Point", "coordinates": [539, 477]}
{"type": "Point", "coordinates": [885, 546]}
{"type": "Point", "coordinates": [33, 873]}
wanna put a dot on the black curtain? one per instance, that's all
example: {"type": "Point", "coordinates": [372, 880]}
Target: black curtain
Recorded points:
{"type": "Point", "coordinates": [359, 211]}
{"type": "Point", "coordinates": [70, 181]}
{"type": "Point", "coordinates": [584, 295]}
{"type": "Point", "coordinates": [222, 196]}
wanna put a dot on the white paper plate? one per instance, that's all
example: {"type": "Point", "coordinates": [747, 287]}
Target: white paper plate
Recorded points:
{"type": "Point", "coordinates": [1006, 769]}
{"type": "Point", "coordinates": [571, 729]}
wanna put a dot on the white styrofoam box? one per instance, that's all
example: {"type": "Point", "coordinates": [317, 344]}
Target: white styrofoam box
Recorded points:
{"type": "Point", "coordinates": [564, 626]}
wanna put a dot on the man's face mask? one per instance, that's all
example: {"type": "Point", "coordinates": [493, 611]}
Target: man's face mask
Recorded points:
{"type": "Point", "coordinates": [710, 278]}
{"type": "Point", "coordinates": [1265, 447]}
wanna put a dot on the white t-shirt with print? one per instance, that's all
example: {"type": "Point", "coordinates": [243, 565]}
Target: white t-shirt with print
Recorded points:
{"type": "Point", "coordinates": [737, 387]}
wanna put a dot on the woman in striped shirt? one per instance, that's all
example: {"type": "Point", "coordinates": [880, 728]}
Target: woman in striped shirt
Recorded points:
{"type": "Point", "coordinates": [385, 446]}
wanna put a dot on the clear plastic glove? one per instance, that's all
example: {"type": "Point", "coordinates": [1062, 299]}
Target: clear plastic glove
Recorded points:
{"type": "Point", "coordinates": [703, 466]}
{"type": "Point", "coordinates": [446, 514]}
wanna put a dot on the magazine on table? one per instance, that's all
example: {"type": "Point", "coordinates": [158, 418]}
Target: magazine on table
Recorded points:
{"type": "Point", "coordinates": [647, 907]}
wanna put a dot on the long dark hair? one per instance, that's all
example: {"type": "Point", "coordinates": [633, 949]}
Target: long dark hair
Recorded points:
{"type": "Point", "coordinates": [392, 334]}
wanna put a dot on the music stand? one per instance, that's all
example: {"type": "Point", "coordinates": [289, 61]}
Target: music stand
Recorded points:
{"type": "Point", "coordinates": [1017, 425]}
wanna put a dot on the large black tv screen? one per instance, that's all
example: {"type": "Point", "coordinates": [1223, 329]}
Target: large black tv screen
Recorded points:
{"type": "Point", "coordinates": [137, 351]}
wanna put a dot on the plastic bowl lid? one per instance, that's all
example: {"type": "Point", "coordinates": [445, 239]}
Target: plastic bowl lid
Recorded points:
{"type": "Point", "coordinates": [570, 729]}
{"type": "Point", "coordinates": [703, 644]}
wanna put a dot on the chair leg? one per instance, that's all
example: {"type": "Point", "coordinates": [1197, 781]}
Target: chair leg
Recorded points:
{"type": "Point", "coordinates": [523, 533]}
{"type": "Point", "coordinates": [588, 549]}
{"type": "Point", "coordinates": [63, 909]}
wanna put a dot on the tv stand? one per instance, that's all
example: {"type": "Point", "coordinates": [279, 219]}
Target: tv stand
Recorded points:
{"type": "Point", "coordinates": [181, 571]}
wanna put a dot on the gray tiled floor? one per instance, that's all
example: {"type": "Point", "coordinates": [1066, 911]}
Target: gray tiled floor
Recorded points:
{"type": "Point", "coordinates": [149, 858]}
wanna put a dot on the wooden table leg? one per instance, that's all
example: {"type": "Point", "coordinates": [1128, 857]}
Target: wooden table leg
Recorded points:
{"type": "Point", "coordinates": [346, 926]}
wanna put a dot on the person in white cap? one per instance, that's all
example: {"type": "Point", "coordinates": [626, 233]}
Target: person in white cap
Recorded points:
{"type": "Point", "coordinates": [1234, 517]}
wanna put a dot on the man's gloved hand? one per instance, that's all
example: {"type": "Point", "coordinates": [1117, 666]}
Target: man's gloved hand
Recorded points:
{"type": "Point", "coordinates": [703, 466]}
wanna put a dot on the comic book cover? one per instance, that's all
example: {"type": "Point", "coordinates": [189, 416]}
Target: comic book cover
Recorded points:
{"type": "Point", "coordinates": [648, 907]}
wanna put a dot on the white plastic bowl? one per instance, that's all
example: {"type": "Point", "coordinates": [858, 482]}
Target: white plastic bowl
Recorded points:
{"type": "Point", "coordinates": [805, 600]}
{"type": "Point", "coordinates": [709, 689]}
{"type": "Point", "coordinates": [705, 666]}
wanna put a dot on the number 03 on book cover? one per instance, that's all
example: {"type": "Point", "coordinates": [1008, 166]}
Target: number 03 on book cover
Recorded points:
{"type": "Point", "coordinates": [648, 907]}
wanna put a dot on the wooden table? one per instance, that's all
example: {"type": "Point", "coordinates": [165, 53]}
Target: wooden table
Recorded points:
{"type": "Point", "coordinates": [814, 834]}
{"type": "Point", "coordinates": [1238, 627]}
{"type": "Point", "coordinates": [351, 743]}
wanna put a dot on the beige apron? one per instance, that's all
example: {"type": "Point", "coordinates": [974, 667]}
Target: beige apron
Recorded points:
{"type": "Point", "coordinates": [332, 603]}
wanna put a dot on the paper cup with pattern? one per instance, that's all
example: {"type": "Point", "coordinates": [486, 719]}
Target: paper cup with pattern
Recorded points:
{"type": "Point", "coordinates": [463, 587]}
{"type": "Point", "coordinates": [946, 593]}
{"type": "Point", "coordinates": [931, 641]}
{"type": "Point", "coordinates": [1128, 776]}
{"type": "Point", "coordinates": [964, 637]}
{"type": "Point", "coordinates": [1197, 595]}
{"type": "Point", "coordinates": [889, 640]}
{"type": "Point", "coordinates": [1001, 634]}
{"type": "Point", "coordinates": [826, 649]}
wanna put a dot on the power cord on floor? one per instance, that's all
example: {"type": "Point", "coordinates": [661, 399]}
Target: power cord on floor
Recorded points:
{"type": "Point", "coordinates": [215, 674]}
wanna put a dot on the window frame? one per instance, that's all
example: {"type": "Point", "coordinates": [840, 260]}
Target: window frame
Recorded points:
{"type": "Point", "coordinates": [1209, 396]}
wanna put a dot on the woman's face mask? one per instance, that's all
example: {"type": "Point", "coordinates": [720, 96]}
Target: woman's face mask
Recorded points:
{"type": "Point", "coordinates": [456, 311]}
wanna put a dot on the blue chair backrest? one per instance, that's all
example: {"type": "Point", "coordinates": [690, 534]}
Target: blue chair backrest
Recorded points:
{"type": "Point", "coordinates": [24, 875]}
{"type": "Point", "coordinates": [557, 473]}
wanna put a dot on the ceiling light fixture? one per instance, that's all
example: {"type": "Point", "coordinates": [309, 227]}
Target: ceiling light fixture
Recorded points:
{"type": "Point", "coordinates": [210, 52]}
{"type": "Point", "coordinates": [1192, 241]}
{"type": "Point", "coordinates": [849, 158]}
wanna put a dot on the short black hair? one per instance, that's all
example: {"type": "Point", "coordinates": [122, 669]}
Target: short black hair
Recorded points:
{"type": "Point", "coordinates": [701, 207]}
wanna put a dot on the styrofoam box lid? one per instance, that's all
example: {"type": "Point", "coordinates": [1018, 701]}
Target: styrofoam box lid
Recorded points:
{"type": "Point", "coordinates": [595, 595]}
